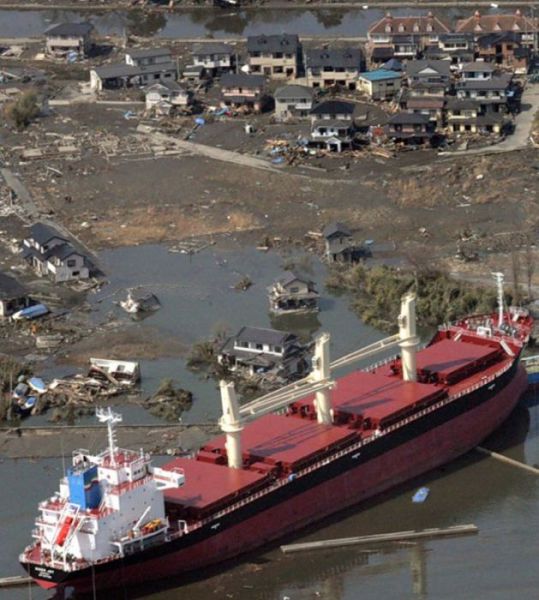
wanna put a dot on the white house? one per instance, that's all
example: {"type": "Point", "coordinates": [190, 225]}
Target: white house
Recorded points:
{"type": "Point", "coordinates": [52, 255]}
{"type": "Point", "coordinates": [171, 93]}
{"type": "Point", "coordinates": [380, 84]}
{"type": "Point", "coordinates": [216, 57]}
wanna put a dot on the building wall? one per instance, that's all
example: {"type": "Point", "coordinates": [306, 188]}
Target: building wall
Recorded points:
{"type": "Point", "coordinates": [379, 90]}
{"type": "Point", "coordinates": [79, 44]}
{"type": "Point", "coordinates": [324, 79]}
{"type": "Point", "coordinates": [213, 62]}
{"type": "Point", "coordinates": [277, 68]}
{"type": "Point", "coordinates": [143, 62]}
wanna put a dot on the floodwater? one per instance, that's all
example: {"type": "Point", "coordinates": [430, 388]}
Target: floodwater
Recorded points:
{"type": "Point", "coordinates": [499, 563]}
{"type": "Point", "coordinates": [219, 23]}
{"type": "Point", "coordinates": [196, 293]}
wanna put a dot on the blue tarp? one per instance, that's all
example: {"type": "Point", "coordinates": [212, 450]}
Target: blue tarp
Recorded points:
{"type": "Point", "coordinates": [200, 121]}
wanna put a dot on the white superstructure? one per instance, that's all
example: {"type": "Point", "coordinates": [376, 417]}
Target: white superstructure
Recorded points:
{"type": "Point", "coordinates": [110, 504]}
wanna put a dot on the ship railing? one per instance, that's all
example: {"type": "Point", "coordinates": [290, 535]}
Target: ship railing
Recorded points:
{"type": "Point", "coordinates": [348, 450]}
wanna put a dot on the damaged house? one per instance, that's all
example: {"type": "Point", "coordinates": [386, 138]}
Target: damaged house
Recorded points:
{"type": "Point", "coordinates": [411, 128]}
{"type": "Point", "coordinates": [69, 37]}
{"type": "Point", "coordinates": [257, 351]}
{"type": "Point", "coordinates": [164, 96]}
{"type": "Point", "coordinates": [13, 296]}
{"type": "Point", "coordinates": [52, 255]}
{"type": "Point", "coordinates": [340, 245]}
{"type": "Point", "coordinates": [293, 294]}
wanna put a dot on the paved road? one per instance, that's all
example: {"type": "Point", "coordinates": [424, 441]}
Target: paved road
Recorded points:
{"type": "Point", "coordinates": [523, 126]}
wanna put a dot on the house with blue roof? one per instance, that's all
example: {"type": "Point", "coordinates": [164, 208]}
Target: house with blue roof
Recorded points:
{"type": "Point", "coordinates": [381, 84]}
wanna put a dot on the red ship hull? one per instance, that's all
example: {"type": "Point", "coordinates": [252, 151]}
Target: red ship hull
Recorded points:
{"type": "Point", "coordinates": [432, 448]}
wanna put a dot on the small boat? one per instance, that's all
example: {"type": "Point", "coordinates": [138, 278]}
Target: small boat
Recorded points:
{"type": "Point", "coordinates": [37, 384]}
{"type": "Point", "coordinates": [32, 312]}
{"type": "Point", "coordinates": [142, 303]}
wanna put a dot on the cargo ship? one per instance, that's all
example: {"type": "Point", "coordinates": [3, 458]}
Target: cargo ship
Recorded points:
{"type": "Point", "coordinates": [285, 460]}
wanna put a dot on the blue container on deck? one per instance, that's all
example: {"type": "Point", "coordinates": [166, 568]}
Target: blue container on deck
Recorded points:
{"type": "Point", "coordinates": [84, 487]}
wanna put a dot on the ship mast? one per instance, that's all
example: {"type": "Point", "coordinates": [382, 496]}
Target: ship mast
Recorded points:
{"type": "Point", "coordinates": [110, 418]}
{"type": "Point", "coordinates": [498, 276]}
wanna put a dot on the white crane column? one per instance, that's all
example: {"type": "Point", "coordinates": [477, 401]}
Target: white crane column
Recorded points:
{"type": "Point", "coordinates": [231, 424]}
{"type": "Point", "coordinates": [409, 340]}
{"type": "Point", "coordinates": [321, 374]}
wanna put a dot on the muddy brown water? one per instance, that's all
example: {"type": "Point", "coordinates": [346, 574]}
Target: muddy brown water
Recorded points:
{"type": "Point", "coordinates": [195, 23]}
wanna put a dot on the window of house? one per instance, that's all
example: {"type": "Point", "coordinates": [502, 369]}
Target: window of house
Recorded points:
{"type": "Point", "coordinates": [401, 27]}
{"type": "Point", "coordinates": [278, 55]}
{"type": "Point", "coordinates": [278, 349]}
{"type": "Point", "coordinates": [255, 54]}
{"type": "Point", "coordinates": [259, 346]}
{"type": "Point", "coordinates": [294, 290]}
{"type": "Point", "coordinates": [71, 262]}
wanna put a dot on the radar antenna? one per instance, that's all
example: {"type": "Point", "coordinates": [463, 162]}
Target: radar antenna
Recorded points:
{"type": "Point", "coordinates": [105, 415]}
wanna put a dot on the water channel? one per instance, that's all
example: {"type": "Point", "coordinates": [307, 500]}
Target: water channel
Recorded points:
{"type": "Point", "coordinates": [218, 23]}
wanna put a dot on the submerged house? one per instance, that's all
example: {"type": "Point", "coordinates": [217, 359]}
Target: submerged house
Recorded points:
{"type": "Point", "coordinates": [293, 294]}
{"type": "Point", "coordinates": [52, 255]}
{"type": "Point", "coordinates": [258, 351]}
{"type": "Point", "coordinates": [13, 296]}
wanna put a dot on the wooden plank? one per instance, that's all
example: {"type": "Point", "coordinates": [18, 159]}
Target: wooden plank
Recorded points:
{"type": "Point", "coordinates": [16, 581]}
{"type": "Point", "coordinates": [507, 460]}
{"type": "Point", "coordinates": [382, 538]}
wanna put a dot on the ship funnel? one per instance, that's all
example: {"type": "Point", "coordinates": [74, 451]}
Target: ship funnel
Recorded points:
{"type": "Point", "coordinates": [320, 374]}
{"type": "Point", "coordinates": [408, 338]}
{"type": "Point", "coordinates": [230, 424]}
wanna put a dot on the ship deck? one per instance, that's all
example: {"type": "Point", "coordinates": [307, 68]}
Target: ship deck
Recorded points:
{"type": "Point", "coordinates": [275, 446]}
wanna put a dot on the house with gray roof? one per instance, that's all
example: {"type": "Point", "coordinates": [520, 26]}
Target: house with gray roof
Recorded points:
{"type": "Point", "coordinates": [410, 128]}
{"type": "Point", "coordinates": [293, 102]}
{"type": "Point", "coordinates": [428, 71]}
{"type": "Point", "coordinates": [275, 56]}
{"type": "Point", "coordinates": [13, 296]}
{"type": "Point", "coordinates": [69, 37]}
{"type": "Point", "coordinates": [53, 255]}
{"type": "Point", "coordinates": [144, 57]}
{"type": "Point", "coordinates": [293, 294]}
{"type": "Point", "coordinates": [340, 245]}
{"type": "Point", "coordinates": [127, 74]}
{"type": "Point", "coordinates": [469, 116]}
{"type": "Point", "coordinates": [214, 57]}
{"type": "Point", "coordinates": [327, 67]}
{"type": "Point", "coordinates": [242, 90]}
{"type": "Point", "coordinates": [477, 70]}
{"type": "Point", "coordinates": [260, 352]}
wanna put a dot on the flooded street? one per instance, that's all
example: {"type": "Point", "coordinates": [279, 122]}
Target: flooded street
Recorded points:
{"type": "Point", "coordinates": [194, 23]}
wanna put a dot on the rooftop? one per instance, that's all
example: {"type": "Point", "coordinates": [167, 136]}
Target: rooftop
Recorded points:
{"type": "Point", "coordinates": [272, 337]}
{"type": "Point", "coordinates": [333, 107]}
{"type": "Point", "coordinates": [479, 23]}
{"type": "Point", "coordinates": [286, 92]}
{"type": "Point", "coordinates": [42, 233]}
{"type": "Point", "coordinates": [288, 43]}
{"type": "Point", "coordinates": [334, 57]}
{"type": "Point", "coordinates": [232, 80]}
{"type": "Point", "coordinates": [416, 68]}
{"type": "Point", "coordinates": [212, 48]}
{"type": "Point", "coordinates": [336, 228]}
{"type": "Point", "coordinates": [404, 118]}
{"type": "Point", "coordinates": [147, 52]}
{"type": "Point", "coordinates": [10, 287]}
{"type": "Point", "coordinates": [379, 75]}
{"type": "Point", "coordinates": [425, 24]}
{"type": "Point", "coordinates": [70, 29]}
{"type": "Point", "coordinates": [478, 67]}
